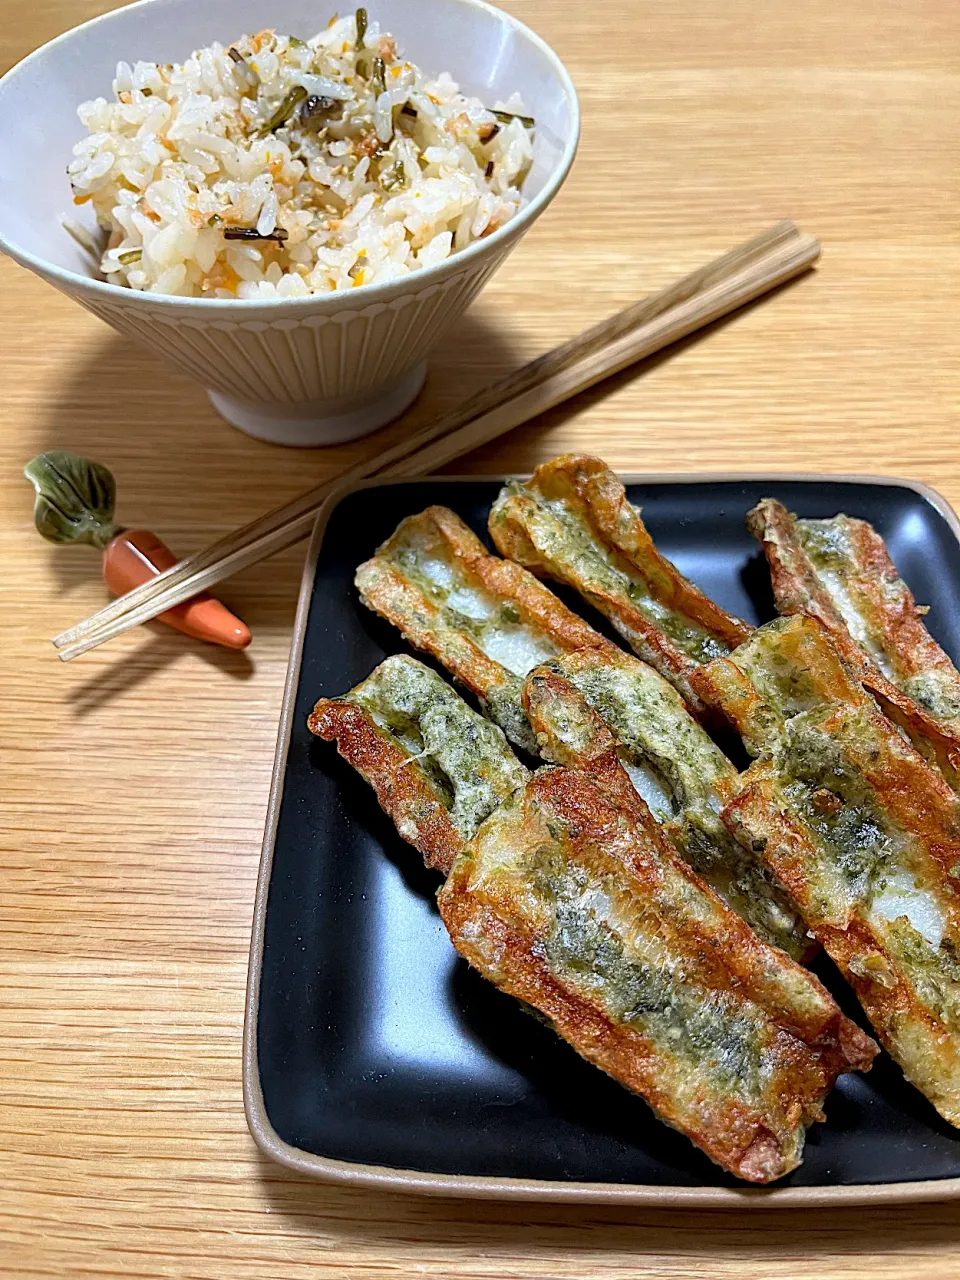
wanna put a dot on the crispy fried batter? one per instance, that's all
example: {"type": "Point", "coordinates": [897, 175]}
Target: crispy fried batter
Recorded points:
{"type": "Point", "coordinates": [437, 767]}
{"type": "Point", "coordinates": [571, 904]}
{"type": "Point", "coordinates": [486, 620]}
{"type": "Point", "coordinates": [839, 572]}
{"type": "Point", "coordinates": [863, 834]}
{"type": "Point", "coordinates": [570, 732]}
{"type": "Point", "coordinates": [572, 521]}
{"type": "Point", "coordinates": [786, 667]}
{"type": "Point", "coordinates": [617, 719]}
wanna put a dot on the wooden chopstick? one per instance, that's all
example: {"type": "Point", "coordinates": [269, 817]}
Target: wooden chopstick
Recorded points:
{"type": "Point", "coordinates": [544, 366]}
{"type": "Point", "coordinates": [640, 330]}
{"type": "Point", "coordinates": [528, 375]}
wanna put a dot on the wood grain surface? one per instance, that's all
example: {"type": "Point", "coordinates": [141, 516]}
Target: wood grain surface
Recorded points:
{"type": "Point", "coordinates": [135, 780]}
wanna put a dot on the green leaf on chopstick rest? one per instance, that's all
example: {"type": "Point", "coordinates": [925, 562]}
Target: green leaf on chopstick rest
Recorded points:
{"type": "Point", "coordinates": [75, 498]}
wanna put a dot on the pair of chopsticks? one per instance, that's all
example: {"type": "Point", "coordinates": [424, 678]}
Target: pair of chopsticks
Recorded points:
{"type": "Point", "coordinates": [640, 330]}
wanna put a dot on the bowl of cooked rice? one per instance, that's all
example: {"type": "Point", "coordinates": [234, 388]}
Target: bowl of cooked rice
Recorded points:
{"type": "Point", "coordinates": [293, 216]}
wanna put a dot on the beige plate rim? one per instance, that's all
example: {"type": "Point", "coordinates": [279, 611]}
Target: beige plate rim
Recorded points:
{"type": "Point", "coordinates": [413, 1181]}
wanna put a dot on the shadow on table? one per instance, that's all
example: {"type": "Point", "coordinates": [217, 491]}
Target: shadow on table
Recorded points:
{"type": "Point", "coordinates": [163, 650]}
{"type": "Point", "coordinates": [192, 483]}
{"type": "Point", "coordinates": [376, 1219]}
{"type": "Point", "coordinates": [194, 480]}
{"type": "Point", "coordinates": [184, 471]}
{"type": "Point", "coordinates": [120, 406]}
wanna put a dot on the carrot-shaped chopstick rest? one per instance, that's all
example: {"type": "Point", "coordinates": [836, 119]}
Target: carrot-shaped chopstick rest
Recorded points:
{"type": "Point", "coordinates": [75, 503]}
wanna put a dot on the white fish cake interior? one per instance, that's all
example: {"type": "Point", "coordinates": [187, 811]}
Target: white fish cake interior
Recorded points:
{"type": "Point", "coordinates": [496, 625]}
{"type": "Point", "coordinates": [487, 620]}
{"type": "Point", "coordinates": [866, 836]}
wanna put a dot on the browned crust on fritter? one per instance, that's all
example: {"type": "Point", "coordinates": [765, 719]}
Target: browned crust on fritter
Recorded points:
{"type": "Point", "coordinates": [892, 610]}
{"type": "Point", "coordinates": [736, 1140]}
{"type": "Point", "coordinates": [887, 603]}
{"type": "Point", "coordinates": [511, 581]}
{"type": "Point", "coordinates": [766, 823]}
{"type": "Point", "coordinates": [796, 587]}
{"type": "Point", "coordinates": [599, 756]}
{"type": "Point", "coordinates": [935, 743]}
{"type": "Point", "coordinates": [618, 522]}
{"type": "Point", "coordinates": [810, 1051]}
{"type": "Point", "coordinates": [652, 645]}
{"type": "Point", "coordinates": [825, 656]}
{"type": "Point", "coordinates": [723, 686]}
{"type": "Point", "coordinates": [722, 945]}
{"type": "Point", "coordinates": [648, 641]}
{"type": "Point", "coordinates": [592, 488]}
{"type": "Point", "coordinates": [584, 660]}
{"type": "Point", "coordinates": [384, 588]}
{"type": "Point", "coordinates": [914, 796]}
{"type": "Point", "coordinates": [403, 791]}
{"type": "Point", "coordinates": [803, 644]}
{"type": "Point", "coordinates": [794, 664]}
{"type": "Point", "coordinates": [541, 687]}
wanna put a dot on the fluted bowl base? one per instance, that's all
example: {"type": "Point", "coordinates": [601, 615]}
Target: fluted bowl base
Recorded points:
{"type": "Point", "coordinates": [310, 424]}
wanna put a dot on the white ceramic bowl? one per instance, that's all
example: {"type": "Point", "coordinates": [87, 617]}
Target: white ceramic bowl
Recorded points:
{"type": "Point", "coordinates": [301, 371]}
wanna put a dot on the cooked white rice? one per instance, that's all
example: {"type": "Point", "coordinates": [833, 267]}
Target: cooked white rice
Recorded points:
{"type": "Point", "coordinates": [376, 169]}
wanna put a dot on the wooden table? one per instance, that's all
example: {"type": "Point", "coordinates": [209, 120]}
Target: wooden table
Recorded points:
{"type": "Point", "coordinates": [135, 780]}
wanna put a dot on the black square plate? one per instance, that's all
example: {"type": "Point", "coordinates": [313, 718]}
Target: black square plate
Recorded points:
{"type": "Point", "coordinates": [374, 1055]}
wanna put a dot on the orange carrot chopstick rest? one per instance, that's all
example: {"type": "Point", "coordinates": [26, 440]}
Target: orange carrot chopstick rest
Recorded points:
{"type": "Point", "coordinates": [75, 503]}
